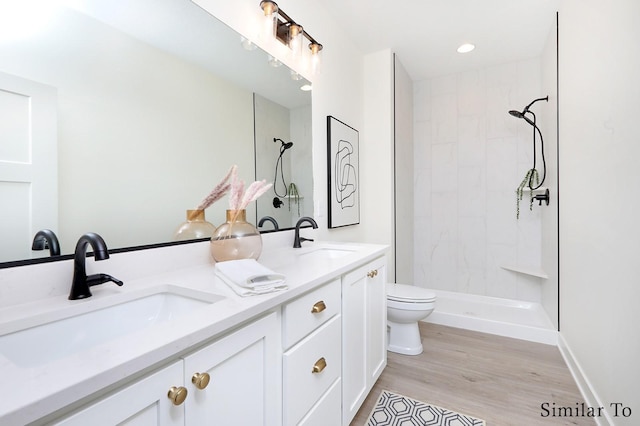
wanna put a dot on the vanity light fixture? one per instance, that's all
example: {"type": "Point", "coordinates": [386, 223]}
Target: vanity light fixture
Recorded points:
{"type": "Point", "coordinates": [290, 33]}
{"type": "Point", "coordinates": [466, 48]}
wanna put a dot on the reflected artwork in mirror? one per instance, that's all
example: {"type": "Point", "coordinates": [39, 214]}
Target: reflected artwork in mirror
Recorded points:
{"type": "Point", "coordinates": [117, 121]}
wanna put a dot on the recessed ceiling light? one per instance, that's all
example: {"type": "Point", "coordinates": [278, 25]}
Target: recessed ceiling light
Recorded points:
{"type": "Point", "coordinates": [466, 48]}
{"type": "Point", "coordinates": [306, 88]}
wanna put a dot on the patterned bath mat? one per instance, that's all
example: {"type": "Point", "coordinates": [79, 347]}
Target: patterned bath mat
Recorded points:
{"type": "Point", "coordinates": [398, 410]}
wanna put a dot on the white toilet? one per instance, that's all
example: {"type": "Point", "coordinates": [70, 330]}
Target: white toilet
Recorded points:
{"type": "Point", "coordinates": [406, 305]}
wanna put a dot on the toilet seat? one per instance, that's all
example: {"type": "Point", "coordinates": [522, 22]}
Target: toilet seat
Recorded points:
{"type": "Point", "coordinates": [409, 294]}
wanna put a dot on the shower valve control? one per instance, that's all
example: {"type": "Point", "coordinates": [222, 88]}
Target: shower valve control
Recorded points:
{"type": "Point", "coordinates": [542, 197]}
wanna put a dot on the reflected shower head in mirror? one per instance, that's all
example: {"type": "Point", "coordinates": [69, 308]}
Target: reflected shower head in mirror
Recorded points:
{"type": "Point", "coordinates": [285, 145]}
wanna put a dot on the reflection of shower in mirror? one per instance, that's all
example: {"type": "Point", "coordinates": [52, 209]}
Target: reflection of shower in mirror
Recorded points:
{"type": "Point", "coordinates": [283, 147]}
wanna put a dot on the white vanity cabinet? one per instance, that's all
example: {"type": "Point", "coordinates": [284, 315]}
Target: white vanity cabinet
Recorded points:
{"type": "Point", "coordinates": [309, 359]}
{"type": "Point", "coordinates": [364, 329]}
{"type": "Point", "coordinates": [233, 381]}
{"type": "Point", "coordinates": [312, 358]}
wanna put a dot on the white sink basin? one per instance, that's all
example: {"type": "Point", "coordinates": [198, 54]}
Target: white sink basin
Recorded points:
{"type": "Point", "coordinates": [328, 252]}
{"type": "Point", "coordinates": [80, 329]}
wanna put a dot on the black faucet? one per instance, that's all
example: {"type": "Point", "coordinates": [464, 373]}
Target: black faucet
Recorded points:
{"type": "Point", "coordinates": [297, 239]}
{"type": "Point", "coordinates": [46, 239]}
{"type": "Point", "coordinates": [81, 282]}
{"type": "Point", "coordinates": [268, 219]}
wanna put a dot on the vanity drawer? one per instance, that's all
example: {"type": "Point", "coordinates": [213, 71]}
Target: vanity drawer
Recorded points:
{"type": "Point", "coordinates": [309, 311]}
{"type": "Point", "coordinates": [328, 410]}
{"type": "Point", "coordinates": [320, 351]}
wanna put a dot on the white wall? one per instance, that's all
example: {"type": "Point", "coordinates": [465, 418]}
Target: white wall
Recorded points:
{"type": "Point", "coordinates": [599, 143]}
{"type": "Point", "coordinates": [470, 156]}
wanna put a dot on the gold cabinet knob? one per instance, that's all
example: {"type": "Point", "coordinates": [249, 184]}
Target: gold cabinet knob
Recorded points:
{"type": "Point", "coordinates": [373, 273]}
{"type": "Point", "coordinates": [318, 307]}
{"type": "Point", "coordinates": [177, 394]}
{"type": "Point", "coordinates": [201, 380]}
{"type": "Point", "coordinates": [319, 366]}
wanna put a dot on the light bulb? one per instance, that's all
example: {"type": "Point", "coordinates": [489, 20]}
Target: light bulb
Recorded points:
{"type": "Point", "coordinates": [295, 39]}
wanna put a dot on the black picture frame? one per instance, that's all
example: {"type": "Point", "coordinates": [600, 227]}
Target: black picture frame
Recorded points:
{"type": "Point", "coordinates": [343, 174]}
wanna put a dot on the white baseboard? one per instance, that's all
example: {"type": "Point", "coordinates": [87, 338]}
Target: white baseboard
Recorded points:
{"type": "Point", "coordinates": [588, 393]}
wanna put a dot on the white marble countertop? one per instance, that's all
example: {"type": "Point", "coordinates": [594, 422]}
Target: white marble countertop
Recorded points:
{"type": "Point", "coordinates": [30, 393]}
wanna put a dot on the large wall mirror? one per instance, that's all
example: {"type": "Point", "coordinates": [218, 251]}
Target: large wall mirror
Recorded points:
{"type": "Point", "coordinates": [116, 117]}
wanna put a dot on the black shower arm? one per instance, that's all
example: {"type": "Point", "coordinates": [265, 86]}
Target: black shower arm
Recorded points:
{"type": "Point", "coordinates": [526, 109]}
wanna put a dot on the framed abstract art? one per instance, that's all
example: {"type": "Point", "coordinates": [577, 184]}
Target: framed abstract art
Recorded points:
{"type": "Point", "coordinates": [343, 174]}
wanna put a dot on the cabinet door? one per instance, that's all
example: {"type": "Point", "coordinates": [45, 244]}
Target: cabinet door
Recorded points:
{"type": "Point", "coordinates": [364, 314]}
{"type": "Point", "coordinates": [245, 378]}
{"type": "Point", "coordinates": [143, 403]}
{"type": "Point", "coordinates": [354, 343]}
{"type": "Point", "coordinates": [376, 321]}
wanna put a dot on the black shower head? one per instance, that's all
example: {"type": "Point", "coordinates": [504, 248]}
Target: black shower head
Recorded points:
{"type": "Point", "coordinates": [522, 115]}
{"type": "Point", "coordinates": [285, 145]}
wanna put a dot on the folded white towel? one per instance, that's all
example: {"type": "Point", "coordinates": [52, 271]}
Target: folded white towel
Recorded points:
{"type": "Point", "coordinates": [247, 277]}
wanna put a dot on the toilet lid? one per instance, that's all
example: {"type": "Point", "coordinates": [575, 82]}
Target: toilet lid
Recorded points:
{"type": "Point", "coordinates": [409, 293]}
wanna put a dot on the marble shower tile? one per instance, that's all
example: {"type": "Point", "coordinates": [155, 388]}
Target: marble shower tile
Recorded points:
{"type": "Point", "coordinates": [444, 118]}
{"type": "Point", "coordinates": [444, 167]}
{"type": "Point", "coordinates": [502, 155]}
{"type": "Point", "coordinates": [471, 141]}
{"type": "Point", "coordinates": [472, 192]}
{"type": "Point", "coordinates": [471, 93]}
{"type": "Point", "coordinates": [444, 217]}
{"type": "Point", "coordinates": [501, 219]}
{"type": "Point", "coordinates": [421, 101]}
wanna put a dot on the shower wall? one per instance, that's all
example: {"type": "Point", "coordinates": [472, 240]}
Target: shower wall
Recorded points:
{"type": "Point", "coordinates": [470, 156]}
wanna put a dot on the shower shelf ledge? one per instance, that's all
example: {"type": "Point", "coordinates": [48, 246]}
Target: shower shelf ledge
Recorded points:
{"type": "Point", "coordinates": [527, 270]}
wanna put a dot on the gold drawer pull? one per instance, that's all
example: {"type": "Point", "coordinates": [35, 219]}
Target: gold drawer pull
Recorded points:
{"type": "Point", "coordinates": [373, 273]}
{"type": "Point", "coordinates": [200, 380]}
{"type": "Point", "coordinates": [177, 394]}
{"type": "Point", "coordinates": [318, 307]}
{"type": "Point", "coordinates": [319, 366]}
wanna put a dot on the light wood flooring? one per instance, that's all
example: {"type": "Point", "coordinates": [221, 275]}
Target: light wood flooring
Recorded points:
{"type": "Point", "coordinates": [501, 380]}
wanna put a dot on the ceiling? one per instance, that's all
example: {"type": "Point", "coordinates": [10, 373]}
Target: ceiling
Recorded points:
{"type": "Point", "coordinates": [425, 34]}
